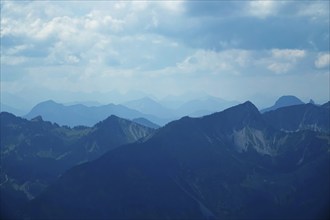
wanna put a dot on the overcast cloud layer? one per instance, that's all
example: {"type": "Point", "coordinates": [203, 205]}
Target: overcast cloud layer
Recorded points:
{"type": "Point", "coordinates": [235, 50]}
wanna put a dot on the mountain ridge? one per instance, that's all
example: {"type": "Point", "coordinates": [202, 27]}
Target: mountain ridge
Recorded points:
{"type": "Point", "coordinates": [190, 168]}
{"type": "Point", "coordinates": [300, 117]}
{"type": "Point", "coordinates": [80, 114]}
{"type": "Point", "coordinates": [35, 152]}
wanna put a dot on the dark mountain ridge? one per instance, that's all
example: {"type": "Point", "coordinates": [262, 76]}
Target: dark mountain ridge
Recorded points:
{"type": "Point", "coordinates": [220, 166]}
{"type": "Point", "coordinates": [35, 152]}
{"type": "Point", "coordinates": [300, 117]}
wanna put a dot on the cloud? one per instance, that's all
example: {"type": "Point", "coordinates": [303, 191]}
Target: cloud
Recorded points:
{"type": "Point", "coordinates": [288, 54]}
{"type": "Point", "coordinates": [322, 61]}
{"type": "Point", "coordinates": [13, 60]}
{"type": "Point", "coordinates": [262, 9]}
{"type": "Point", "coordinates": [94, 36]}
{"type": "Point", "coordinates": [254, 25]}
{"type": "Point", "coordinates": [283, 60]}
{"type": "Point", "coordinates": [207, 61]}
{"type": "Point", "coordinates": [315, 10]}
{"type": "Point", "coordinates": [156, 45]}
{"type": "Point", "coordinates": [279, 68]}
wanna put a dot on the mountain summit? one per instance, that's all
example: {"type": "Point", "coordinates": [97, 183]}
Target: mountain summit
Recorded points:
{"type": "Point", "coordinates": [284, 101]}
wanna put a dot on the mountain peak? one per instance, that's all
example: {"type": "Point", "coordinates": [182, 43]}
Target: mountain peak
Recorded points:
{"type": "Point", "coordinates": [237, 117]}
{"type": "Point", "coordinates": [284, 101]}
{"type": "Point", "coordinates": [112, 118]}
{"type": "Point", "coordinates": [49, 102]}
{"type": "Point", "coordinates": [245, 111]}
{"type": "Point", "coordinates": [288, 100]}
{"type": "Point", "coordinates": [246, 107]}
{"type": "Point", "coordinates": [148, 105]}
{"type": "Point", "coordinates": [113, 121]}
{"type": "Point", "coordinates": [249, 105]}
{"type": "Point", "coordinates": [147, 99]}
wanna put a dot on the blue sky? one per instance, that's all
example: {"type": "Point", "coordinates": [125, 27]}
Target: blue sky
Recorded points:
{"type": "Point", "coordinates": [236, 50]}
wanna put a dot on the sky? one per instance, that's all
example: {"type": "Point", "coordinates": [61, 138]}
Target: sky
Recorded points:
{"type": "Point", "coordinates": [108, 51]}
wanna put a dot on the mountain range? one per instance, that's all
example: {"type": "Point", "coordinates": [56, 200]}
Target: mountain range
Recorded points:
{"type": "Point", "coordinates": [35, 152]}
{"type": "Point", "coordinates": [234, 164]}
{"type": "Point", "coordinates": [79, 114]}
{"type": "Point", "coordinates": [300, 117]}
{"type": "Point", "coordinates": [150, 106]}
{"type": "Point", "coordinates": [204, 106]}
{"type": "Point", "coordinates": [195, 108]}
{"type": "Point", "coordinates": [146, 108]}
{"type": "Point", "coordinates": [7, 108]}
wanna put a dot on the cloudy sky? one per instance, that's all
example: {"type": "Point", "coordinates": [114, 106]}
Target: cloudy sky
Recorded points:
{"type": "Point", "coordinates": [236, 50]}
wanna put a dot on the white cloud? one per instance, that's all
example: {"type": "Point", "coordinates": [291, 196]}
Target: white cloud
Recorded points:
{"type": "Point", "coordinates": [147, 45]}
{"type": "Point", "coordinates": [18, 49]}
{"type": "Point", "coordinates": [207, 61]}
{"type": "Point", "coordinates": [13, 60]}
{"type": "Point", "coordinates": [241, 62]}
{"type": "Point", "coordinates": [288, 54]}
{"type": "Point", "coordinates": [322, 61]}
{"type": "Point", "coordinates": [315, 10]}
{"type": "Point", "coordinates": [72, 59]}
{"type": "Point", "coordinates": [279, 68]}
{"type": "Point", "coordinates": [172, 6]}
{"type": "Point", "coordinates": [98, 20]}
{"type": "Point", "coordinates": [262, 9]}
{"type": "Point", "coordinates": [282, 61]}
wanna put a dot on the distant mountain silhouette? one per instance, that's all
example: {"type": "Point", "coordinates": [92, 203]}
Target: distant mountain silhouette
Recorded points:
{"type": "Point", "coordinates": [195, 108]}
{"type": "Point", "coordinates": [79, 114]}
{"type": "Point", "coordinates": [7, 108]}
{"type": "Point", "coordinates": [233, 164]}
{"type": "Point", "coordinates": [203, 106]}
{"type": "Point", "coordinates": [86, 103]}
{"type": "Point", "coordinates": [34, 153]}
{"type": "Point", "coordinates": [284, 101]}
{"type": "Point", "coordinates": [150, 106]}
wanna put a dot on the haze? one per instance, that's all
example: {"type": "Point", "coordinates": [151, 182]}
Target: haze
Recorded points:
{"type": "Point", "coordinates": [120, 50]}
